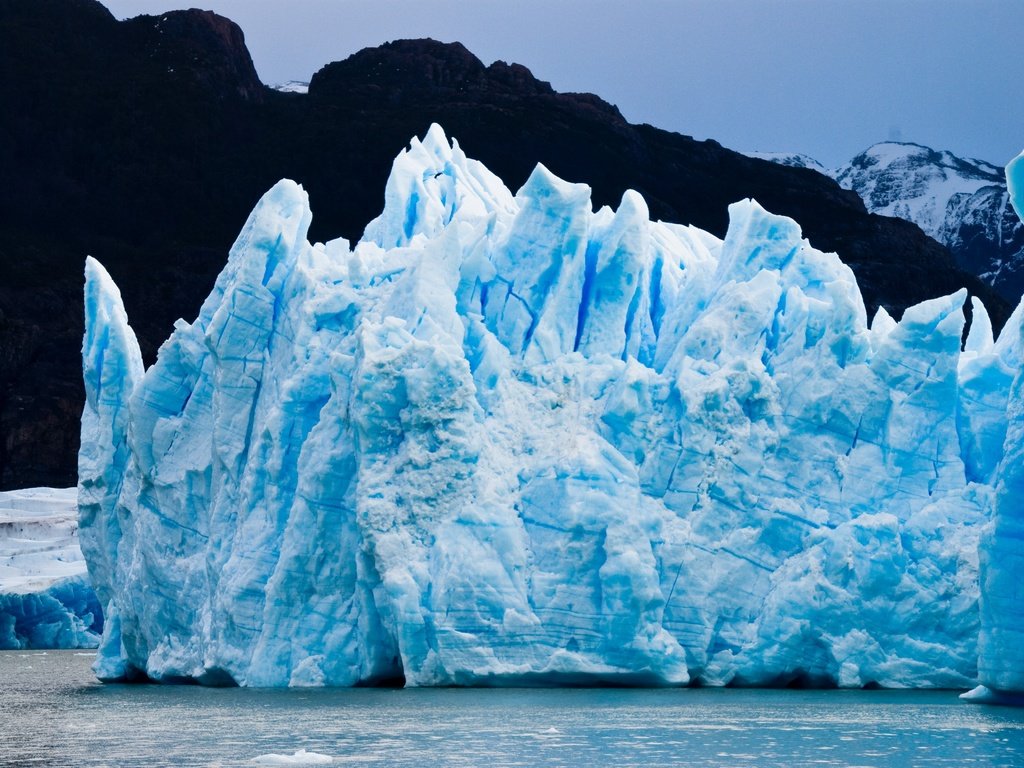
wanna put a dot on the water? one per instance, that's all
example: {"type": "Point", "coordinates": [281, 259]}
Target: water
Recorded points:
{"type": "Point", "coordinates": [52, 712]}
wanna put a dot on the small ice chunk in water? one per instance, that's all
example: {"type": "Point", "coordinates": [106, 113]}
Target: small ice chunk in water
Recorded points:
{"type": "Point", "coordinates": [302, 757]}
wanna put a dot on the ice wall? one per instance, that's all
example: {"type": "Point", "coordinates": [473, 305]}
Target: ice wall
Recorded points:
{"type": "Point", "coordinates": [510, 439]}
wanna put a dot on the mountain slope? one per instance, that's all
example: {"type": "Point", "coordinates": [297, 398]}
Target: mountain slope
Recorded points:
{"type": "Point", "coordinates": [145, 142]}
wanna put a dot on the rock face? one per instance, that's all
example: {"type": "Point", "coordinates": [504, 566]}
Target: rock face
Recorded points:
{"type": "Point", "coordinates": [45, 597]}
{"type": "Point", "coordinates": [170, 115]}
{"type": "Point", "coordinates": [962, 203]}
{"type": "Point", "coordinates": [509, 439]}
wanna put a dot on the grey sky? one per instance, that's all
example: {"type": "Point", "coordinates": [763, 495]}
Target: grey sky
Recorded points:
{"type": "Point", "coordinates": [824, 77]}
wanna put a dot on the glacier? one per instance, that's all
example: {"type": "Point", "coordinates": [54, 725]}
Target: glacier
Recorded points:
{"type": "Point", "coordinates": [46, 600]}
{"type": "Point", "coordinates": [507, 439]}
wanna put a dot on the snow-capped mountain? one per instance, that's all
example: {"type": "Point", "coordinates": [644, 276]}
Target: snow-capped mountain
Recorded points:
{"type": "Point", "coordinates": [961, 202]}
{"type": "Point", "coordinates": [292, 86]}
{"type": "Point", "coordinates": [917, 183]}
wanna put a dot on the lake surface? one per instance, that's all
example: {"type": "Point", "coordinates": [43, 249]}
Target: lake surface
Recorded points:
{"type": "Point", "coordinates": [53, 712]}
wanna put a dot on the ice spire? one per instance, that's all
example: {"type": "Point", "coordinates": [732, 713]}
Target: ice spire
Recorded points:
{"type": "Point", "coordinates": [112, 367]}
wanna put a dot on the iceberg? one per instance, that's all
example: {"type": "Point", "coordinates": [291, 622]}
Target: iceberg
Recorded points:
{"type": "Point", "coordinates": [46, 600]}
{"type": "Point", "coordinates": [507, 439]}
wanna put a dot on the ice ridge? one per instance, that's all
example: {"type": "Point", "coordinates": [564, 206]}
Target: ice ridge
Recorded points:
{"type": "Point", "coordinates": [509, 439]}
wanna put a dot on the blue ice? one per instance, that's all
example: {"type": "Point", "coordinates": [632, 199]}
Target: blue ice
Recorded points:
{"type": "Point", "coordinates": [510, 439]}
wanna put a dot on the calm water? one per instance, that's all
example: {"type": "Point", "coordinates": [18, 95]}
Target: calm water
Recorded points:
{"type": "Point", "coordinates": [52, 712]}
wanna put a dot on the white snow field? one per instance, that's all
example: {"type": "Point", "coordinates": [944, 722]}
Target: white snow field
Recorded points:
{"type": "Point", "coordinates": [45, 597]}
{"type": "Point", "coordinates": [508, 439]}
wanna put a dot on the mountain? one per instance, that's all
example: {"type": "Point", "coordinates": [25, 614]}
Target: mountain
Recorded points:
{"type": "Point", "coordinates": [144, 142]}
{"type": "Point", "coordinates": [292, 86]}
{"type": "Point", "coordinates": [508, 439]}
{"type": "Point", "coordinates": [961, 202]}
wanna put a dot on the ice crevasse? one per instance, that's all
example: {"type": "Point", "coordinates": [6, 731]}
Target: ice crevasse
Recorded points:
{"type": "Point", "coordinates": [508, 439]}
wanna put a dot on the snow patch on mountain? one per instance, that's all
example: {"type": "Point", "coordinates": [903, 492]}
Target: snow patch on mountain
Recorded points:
{"type": "Point", "coordinates": [292, 86]}
{"type": "Point", "coordinates": [961, 202]}
{"type": "Point", "coordinates": [792, 159]}
{"type": "Point", "coordinates": [916, 183]}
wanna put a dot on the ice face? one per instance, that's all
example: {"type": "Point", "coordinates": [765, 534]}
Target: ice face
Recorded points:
{"type": "Point", "coordinates": [510, 439]}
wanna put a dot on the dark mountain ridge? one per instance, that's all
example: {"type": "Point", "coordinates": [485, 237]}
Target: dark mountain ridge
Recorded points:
{"type": "Point", "coordinates": [146, 142]}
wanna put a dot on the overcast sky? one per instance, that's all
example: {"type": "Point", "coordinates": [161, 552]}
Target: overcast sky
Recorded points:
{"type": "Point", "coordinates": [823, 77]}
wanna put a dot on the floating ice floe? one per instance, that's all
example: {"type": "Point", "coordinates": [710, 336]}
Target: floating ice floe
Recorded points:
{"type": "Point", "coordinates": [302, 757]}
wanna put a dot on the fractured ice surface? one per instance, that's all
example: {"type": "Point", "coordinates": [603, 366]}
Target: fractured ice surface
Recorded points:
{"type": "Point", "coordinates": [510, 439]}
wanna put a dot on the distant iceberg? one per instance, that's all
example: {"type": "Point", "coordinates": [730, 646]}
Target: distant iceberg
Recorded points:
{"type": "Point", "coordinates": [507, 439]}
{"type": "Point", "coordinates": [45, 597]}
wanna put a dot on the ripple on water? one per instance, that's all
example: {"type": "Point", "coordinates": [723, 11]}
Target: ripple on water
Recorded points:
{"type": "Point", "coordinates": [53, 712]}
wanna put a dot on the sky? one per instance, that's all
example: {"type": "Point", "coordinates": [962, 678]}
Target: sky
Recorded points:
{"type": "Point", "coordinates": [827, 78]}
